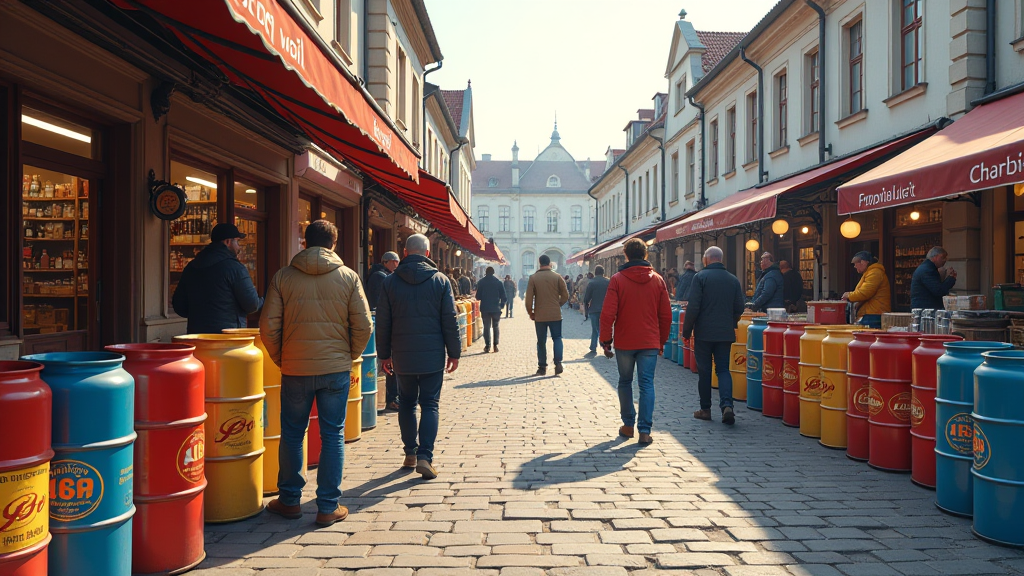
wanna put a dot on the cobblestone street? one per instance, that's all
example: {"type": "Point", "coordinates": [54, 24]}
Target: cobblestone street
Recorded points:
{"type": "Point", "coordinates": [535, 482]}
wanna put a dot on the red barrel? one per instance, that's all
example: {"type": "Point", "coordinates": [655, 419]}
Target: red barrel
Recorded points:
{"type": "Point", "coordinates": [889, 400]}
{"type": "Point", "coordinates": [26, 404]}
{"type": "Point", "coordinates": [771, 370]}
{"type": "Point", "coordinates": [922, 409]}
{"type": "Point", "coordinates": [170, 411]}
{"type": "Point", "coordinates": [313, 437]}
{"type": "Point", "coordinates": [693, 355]}
{"type": "Point", "coordinates": [791, 373]}
{"type": "Point", "coordinates": [858, 390]}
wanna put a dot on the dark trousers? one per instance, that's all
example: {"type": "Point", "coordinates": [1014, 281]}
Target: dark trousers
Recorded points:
{"type": "Point", "coordinates": [491, 320]}
{"type": "Point", "coordinates": [425, 390]}
{"type": "Point", "coordinates": [704, 352]}
{"type": "Point", "coordinates": [542, 341]}
{"type": "Point", "coordinates": [508, 306]}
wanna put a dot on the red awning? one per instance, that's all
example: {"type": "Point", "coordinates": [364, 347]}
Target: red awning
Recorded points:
{"type": "Point", "coordinates": [260, 47]}
{"type": "Point", "coordinates": [755, 204]}
{"type": "Point", "coordinates": [493, 254]}
{"type": "Point", "coordinates": [983, 149]}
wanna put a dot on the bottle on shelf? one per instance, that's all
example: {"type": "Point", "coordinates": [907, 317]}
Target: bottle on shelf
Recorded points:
{"type": "Point", "coordinates": [44, 260]}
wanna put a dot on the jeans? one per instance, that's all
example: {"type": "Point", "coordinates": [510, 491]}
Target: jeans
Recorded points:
{"type": "Point", "coordinates": [871, 320]}
{"type": "Point", "coordinates": [508, 306]}
{"type": "Point", "coordinates": [542, 341]}
{"type": "Point", "coordinates": [645, 362]}
{"type": "Point", "coordinates": [424, 389]}
{"type": "Point", "coordinates": [297, 394]}
{"type": "Point", "coordinates": [720, 351]}
{"type": "Point", "coordinates": [595, 329]}
{"type": "Point", "coordinates": [490, 319]}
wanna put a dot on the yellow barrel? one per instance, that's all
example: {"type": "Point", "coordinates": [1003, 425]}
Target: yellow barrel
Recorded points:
{"type": "Point", "coordinates": [810, 380]}
{"type": "Point", "coordinates": [714, 377]}
{"type": "Point", "coordinates": [741, 329]}
{"type": "Point", "coordinates": [468, 307]}
{"type": "Point", "coordinates": [834, 357]}
{"type": "Point", "coordinates": [738, 370]}
{"type": "Point", "coordinates": [234, 436]}
{"type": "Point", "coordinates": [354, 416]}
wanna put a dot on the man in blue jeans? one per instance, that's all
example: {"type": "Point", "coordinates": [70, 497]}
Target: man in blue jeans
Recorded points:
{"type": "Point", "coordinates": [417, 326]}
{"type": "Point", "coordinates": [315, 322]}
{"type": "Point", "coordinates": [546, 293]}
{"type": "Point", "coordinates": [713, 309]}
{"type": "Point", "coordinates": [593, 300]}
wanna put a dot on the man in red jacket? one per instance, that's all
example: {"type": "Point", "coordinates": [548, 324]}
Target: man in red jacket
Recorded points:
{"type": "Point", "coordinates": [637, 309]}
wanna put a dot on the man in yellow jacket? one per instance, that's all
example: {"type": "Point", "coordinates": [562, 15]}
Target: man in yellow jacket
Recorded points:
{"type": "Point", "coordinates": [872, 294]}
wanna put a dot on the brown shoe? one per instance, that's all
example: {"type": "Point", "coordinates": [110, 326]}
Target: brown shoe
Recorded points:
{"type": "Point", "coordinates": [339, 514]}
{"type": "Point", "coordinates": [558, 368]}
{"type": "Point", "coordinates": [541, 371]}
{"type": "Point", "coordinates": [409, 462]}
{"type": "Point", "coordinates": [495, 348]}
{"type": "Point", "coordinates": [289, 512]}
{"type": "Point", "coordinates": [702, 414]}
{"type": "Point", "coordinates": [645, 439]}
{"type": "Point", "coordinates": [626, 431]}
{"type": "Point", "coordinates": [426, 469]}
{"type": "Point", "coordinates": [728, 416]}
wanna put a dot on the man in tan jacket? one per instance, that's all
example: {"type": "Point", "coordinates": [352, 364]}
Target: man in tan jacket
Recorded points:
{"type": "Point", "coordinates": [546, 293]}
{"type": "Point", "coordinates": [315, 321]}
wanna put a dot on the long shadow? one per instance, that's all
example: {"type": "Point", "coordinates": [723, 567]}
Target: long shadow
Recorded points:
{"type": "Point", "coordinates": [503, 382]}
{"type": "Point", "coordinates": [596, 461]}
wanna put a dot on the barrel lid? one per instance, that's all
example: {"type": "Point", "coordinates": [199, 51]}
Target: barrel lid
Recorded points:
{"type": "Point", "coordinates": [976, 346]}
{"type": "Point", "coordinates": [1003, 355]}
{"type": "Point", "coordinates": [242, 331]}
{"type": "Point", "coordinates": [188, 338]}
{"type": "Point", "coordinates": [17, 367]}
{"type": "Point", "coordinates": [151, 348]}
{"type": "Point", "coordinates": [76, 358]}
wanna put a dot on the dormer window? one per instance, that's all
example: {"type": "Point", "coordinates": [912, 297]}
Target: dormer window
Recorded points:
{"type": "Point", "coordinates": [554, 182]}
{"type": "Point", "coordinates": [492, 183]}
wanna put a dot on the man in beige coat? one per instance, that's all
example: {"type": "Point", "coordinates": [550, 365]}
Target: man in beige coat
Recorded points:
{"type": "Point", "coordinates": [315, 322]}
{"type": "Point", "coordinates": [545, 295]}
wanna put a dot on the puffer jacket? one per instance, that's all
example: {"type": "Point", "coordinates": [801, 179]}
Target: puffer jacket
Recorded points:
{"type": "Point", "coordinates": [374, 279]}
{"type": "Point", "coordinates": [872, 292]}
{"type": "Point", "coordinates": [683, 285]}
{"type": "Point", "coordinates": [491, 294]}
{"type": "Point", "coordinates": [316, 319]}
{"type": "Point", "coordinates": [769, 290]}
{"type": "Point", "coordinates": [215, 292]}
{"type": "Point", "coordinates": [546, 293]}
{"type": "Point", "coordinates": [714, 305]}
{"type": "Point", "coordinates": [636, 310]}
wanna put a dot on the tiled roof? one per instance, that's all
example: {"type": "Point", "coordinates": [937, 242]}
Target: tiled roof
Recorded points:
{"type": "Point", "coordinates": [453, 99]}
{"type": "Point", "coordinates": [719, 44]}
{"type": "Point", "coordinates": [534, 176]}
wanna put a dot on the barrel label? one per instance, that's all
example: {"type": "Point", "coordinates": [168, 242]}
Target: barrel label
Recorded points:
{"type": "Point", "coordinates": [828, 388]}
{"type": "Point", "coordinates": [235, 430]}
{"type": "Point", "coordinates": [812, 388]}
{"type": "Point", "coordinates": [960, 433]}
{"type": "Point", "coordinates": [789, 376]}
{"type": "Point", "coordinates": [753, 365]}
{"type": "Point", "coordinates": [192, 456]}
{"type": "Point", "coordinates": [23, 516]}
{"type": "Point", "coordinates": [917, 412]}
{"type": "Point", "coordinates": [899, 406]}
{"type": "Point", "coordinates": [982, 448]}
{"type": "Point", "coordinates": [861, 400]}
{"type": "Point", "coordinates": [875, 402]}
{"type": "Point", "coordinates": [768, 371]}
{"type": "Point", "coordinates": [76, 490]}
{"type": "Point", "coordinates": [739, 360]}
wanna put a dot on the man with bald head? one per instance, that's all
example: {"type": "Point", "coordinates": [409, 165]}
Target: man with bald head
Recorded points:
{"type": "Point", "coordinates": [713, 309]}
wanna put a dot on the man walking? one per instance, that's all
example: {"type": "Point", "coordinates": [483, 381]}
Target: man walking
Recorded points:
{"type": "Point", "coordinates": [315, 322]}
{"type": "Point", "coordinates": [768, 293]}
{"type": "Point", "coordinates": [417, 326]}
{"type": "Point", "coordinates": [523, 282]}
{"type": "Point", "coordinates": [593, 302]}
{"type": "Point", "coordinates": [713, 309]}
{"type": "Point", "coordinates": [637, 313]}
{"type": "Point", "coordinates": [546, 293]}
{"type": "Point", "coordinates": [792, 287]}
{"type": "Point", "coordinates": [215, 291]}
{"type": "Point", "coordinates": [927, 287]}
{"type": "Point", "coordinates": [510, 294]}
{"type": "Point", "coordinates": [685, 279]}
{"type": "Point", "coordinates": [491, 294]}
{"type": "Point", "coordinates": [388, 263]}
{"type": "Point", "coordinates": [465, 284]}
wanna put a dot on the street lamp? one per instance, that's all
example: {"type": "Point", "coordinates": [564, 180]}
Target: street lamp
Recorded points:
{"type": "Point", "coordinates": [458, 253]}
{"type": "Point", "coordinates": [752, 245]}
{"type": "Point", "coordinates": [780, 226]}
{"type": "Point", "coordinates": [850, 228]}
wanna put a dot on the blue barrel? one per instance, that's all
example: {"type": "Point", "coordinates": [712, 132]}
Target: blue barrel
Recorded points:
{"type": "Point", "coordinates": [675, 314]}
{"type": "Point", "coordinates": [91, 473]}
{"type": "Point", "coordinates": [954, 427]}
{"type": "Point", "coordinates": [371, 346]}
{"type": "Point", "coordinates": [369, 380]}
{"type": "Point", "coordinates": [755, 333]}
{"type": "Point", "coordinates": [755, 359]}
{"type": "Point", "coordinates": [679, 352]}
{"type": "Point", "coordinates": [998, 436]}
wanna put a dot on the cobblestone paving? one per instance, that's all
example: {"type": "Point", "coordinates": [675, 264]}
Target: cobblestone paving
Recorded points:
{"type": "Point", "coordinates": [535, 482]}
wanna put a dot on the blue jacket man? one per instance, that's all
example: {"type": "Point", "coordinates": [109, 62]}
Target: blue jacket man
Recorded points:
{"type": "Point", "coordinates": [510, 295]}
{"type": "Point", "coordinates": [593, 301]}
{"type": "Point", "coordinates": [378, 272]}
{"type": "Point", "coordinates": [926, 285]}
{"type": "Point", "coordinates": [771, 288]}
{"type": "Point", "coordinates": [685, 280]}
{"type": "Point", "coordinates": [491, 293]}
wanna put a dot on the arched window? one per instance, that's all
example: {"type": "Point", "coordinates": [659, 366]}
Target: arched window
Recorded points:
{"type": "Point", "coordinates": [529, 263]}
{"type": "Point", "coordinates": [554, 182]}
{"type": "Point", "coordinates": [577, 219]}
{"type": "Point", "coordinates": [552, 220]}
{"type": "Point", "coordinates": [483, 218]}
{"type": "Point", "coordinates": [529, 214]}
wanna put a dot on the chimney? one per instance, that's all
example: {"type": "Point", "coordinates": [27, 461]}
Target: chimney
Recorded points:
{"type": "Point", "coordinates": [586, 170]}
{"type": "Point", "coordinates": [485, 157]}
{"type": "Point", "coordinates": [515, 164]}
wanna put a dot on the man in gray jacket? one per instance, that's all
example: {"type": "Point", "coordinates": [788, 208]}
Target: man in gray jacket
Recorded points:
{"type": "Point", "coordinates": [593, 300]}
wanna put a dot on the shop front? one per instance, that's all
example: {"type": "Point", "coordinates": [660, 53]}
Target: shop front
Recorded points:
{"type": "Point", "coordinates": [329, 191]}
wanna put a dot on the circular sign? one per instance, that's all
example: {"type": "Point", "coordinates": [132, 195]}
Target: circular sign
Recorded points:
{"type": "Point", "coordinates": [76, 490]}
{"type": "Point", "coordinates": [982, 449]}
{"type": "Point", "coordinates": [191, 456]}
{"type": "Point", "coordinates": [875, 402]}
{"type": "Point", "coordinates": [899, 406]}
{"type": "Point", "coordinates": [167, 202]}
{"type": "Point", "coordinates": [917, 412]}
{"type": "Point", "coordinates": [960, 433]}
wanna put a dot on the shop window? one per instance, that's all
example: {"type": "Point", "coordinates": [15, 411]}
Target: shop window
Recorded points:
{"type": "Point", "coordinates": [191, 233]}
{"type": "Point", "coordinates": [46, 130]}
{"type": "Point", "coordinates": [305, 219]}
{"type": "Point", "coordinates": [250, 218]}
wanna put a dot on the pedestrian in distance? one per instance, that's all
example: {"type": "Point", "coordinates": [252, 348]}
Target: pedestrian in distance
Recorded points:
{"type": "Point", "coordinates": [713, 310]}
{"type": "Point", "coordinates": [546, 293]}
{"type": "Point", "coordinates": [927, 286]}
{"type": "Point", "coordinates": [523, 282]}
{"type": "Point", "coordinates": [593, 303]}
{"type": "Point", "coordinates": [872, 292]}
{"type": "Point", "coordinates": [417, 329]}
{"type": "Point", "coordinates": [685, 279]}
{"type": "Point", "coordinates": [792, 287]}
{"type": "Point", "coordinates": [215, 290]}
{"type": "Point", "coordinates": [491, 293]}
{"type": "Point", "coordinates": [465, 284]}
{"type": "Point", "coordinates": [637, 318]}
{"type": "Point", "coordinates": [315, 323]}
{"type": "Point", "coordinates": [510, 294]}
{"type": "Point", "coordinates": [388, 262]}
{"type": "Point", "coordinates": [768, 293]}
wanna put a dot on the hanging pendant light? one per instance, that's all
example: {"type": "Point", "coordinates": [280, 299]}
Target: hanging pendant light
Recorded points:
{"type": "Point", "coordinates": [752, 245]}
{"type": "Point", "coordinates": [850, 228]}
{"type": "Point", "coordinates": [780, 226]}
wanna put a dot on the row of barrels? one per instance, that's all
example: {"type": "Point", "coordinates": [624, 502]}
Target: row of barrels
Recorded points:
{"type": "Point", "coordinates": [470, 322]}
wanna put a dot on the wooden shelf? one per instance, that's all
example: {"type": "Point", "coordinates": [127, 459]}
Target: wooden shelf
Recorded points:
{"type": "Point", "coordinates": [38, 270]}
{"type": "Point", "coordinates": [189, 243]}
{"type": "Point", "coordinates": [41, 199]}
{"type": "Point", "coordinates": [50, 295]}
{"type": "Point", "coordinates": [35, 239]}
{"type": "Point", "coordinates": [200, 202]}
{"type": "Point", "coordinates": [49, 219]}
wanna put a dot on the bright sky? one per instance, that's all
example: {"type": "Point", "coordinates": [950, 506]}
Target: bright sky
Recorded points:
{"type": "Point", "coordinates": [595, 62]}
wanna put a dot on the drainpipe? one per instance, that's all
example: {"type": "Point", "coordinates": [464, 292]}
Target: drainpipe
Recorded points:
{"type": "Point", "coordinates": [451, 154]}
{"type": "Point", "coordinates": [821, 77]}
{"type": "Point", "coordinates": [597, 215]}
{"type": "Point", "coordinates": [661, 144]}
{"type": "Point", "coordinates": [626, 219]}
{"type": "Point", "coordinates": [703, 149]}
{"type": "Point", "coordinates": [762, 174]}
{"type": "Point", "coordinates": [990, 52]}
{"type": "Point", "coordinates": [423, 134]}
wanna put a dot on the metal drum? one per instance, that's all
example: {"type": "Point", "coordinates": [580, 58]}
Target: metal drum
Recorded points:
{"type": "Point", "coordinates": [857, 391]}
{"type": "Point", "coordinates": [91, 474]}
{"type": "Point", "coordinates": [693, 355]}
{"type": "Point", "coordinates": [793, 371]}
{"type": "Point", "coordinates": [25, 452]}
{"type": "Point", "coordinates": [922, 408]}
{"type": "Point", "coordinates": [742, 325]}
{"type": "Point", "coordinates": [234, 404]}
{"type": "Point", "coordinates": [755, 359]}
{"type": "Point", "coordinates": [998, 436]}
{"type": "Point", "coordinates": [954, 426]}
{"type": "Point", "coordinates": [890, 376]}
{"type": "Point", "coordinates": [683, 359]}
{"type": "Point", "coordinates": [354, 413]}
{"type": "Point", "coordinates": [738, 367]}
{"type": "Point", "coordinates": [808, 398]}
{"type": "Point", "coordinates": [167, 531]}
{"type": "Point", "coordinates": [313, 442]}
{"type": "Point", "coordinates": [771, 369]}
{"type": "Point", "coordinates": [369, 380]}
{"type": "Point", "coordinates": [714, 374]}
{"type": "Point", "coordinates": [834, 358]}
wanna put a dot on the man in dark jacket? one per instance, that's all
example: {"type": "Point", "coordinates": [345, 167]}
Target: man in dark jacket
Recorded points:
{"type": "Point", "coordinates": [712, 312]}
{"type": "Point", "coordinates": [215, 291]}
{"type": "Point", "coordinates": [523, 283]}
{"type": "Point", "coordinates": [768, 293]}
{"type": "Point", "coordinates": [926, 285]}
{"type": "Point", "coordinates": [684, 282]}
{"type": "Point", "coordinates": [491, 294]}
{"type": "Point", "coordinates": [792, 286]}
{"type": "Point", "coordinates": [417, 325]}
{"type": "Point", "coordinates": [378, 272]}
{"type": "Point", "coordinates": [593, 302]}
{"type": "Point", "coordinates": [510, 294]}
{"type": "Point", "coordinates": [465, 284]}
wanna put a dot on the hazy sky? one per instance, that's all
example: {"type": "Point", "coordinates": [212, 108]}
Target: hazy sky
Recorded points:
{"type": "Point", "coordinates": [595, 62]}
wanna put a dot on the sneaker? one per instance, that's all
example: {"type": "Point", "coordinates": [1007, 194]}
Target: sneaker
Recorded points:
{"type": "Point", "coordinates": [645, 439]}
{"type": "Point", "coordinates": [279, 508]}
{"type": "Point", "coordinates": [426, 469]}
{"type": "Point", "coordinates": [409, 462]}
{"type": "Point", "coordinates": [626, 431]}
{"type": "Point", "coordinates": [339, 514]}
{"type": "Point", "coordinates": [541, 371]}
{"type": "Point", "coordinates": [591, 354]}
{"type": "Point", "coordinates": [558, 368]}
{"type": "Point", "coordinates": [702, 414]}
{"type": "Point", "coordinates": [728, 417]}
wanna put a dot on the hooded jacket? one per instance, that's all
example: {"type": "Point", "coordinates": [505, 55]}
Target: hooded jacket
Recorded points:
{"type": "Point", "coordinates": [683, 285]}
{"type": "Point", "coordinates": [491, 294]}
{"type": "Point", "coordinates": [768, 293]}
{"type": "Point", "coordinates": [872, 292]}
{"type": "Point", "coordinates": [417, 324]}
{"type": "Point", "coordinates": [378, 272]}
{"type": "Point", "coordinates": [636, 310]}
{"type": "Point", "coordinates": [215, 292]}
{"type": "Point", "coordinates": [546, 293]}
{"type": "Point", "coordinates": [316, 319]}
{"type": "Point", "coordinates": [714, 306]}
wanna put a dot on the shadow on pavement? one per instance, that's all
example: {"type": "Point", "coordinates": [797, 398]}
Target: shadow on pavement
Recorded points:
{"type": "Point", "coordinates": [503, 381]}
{"type": "Point", "coordinates": [596, 461]}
